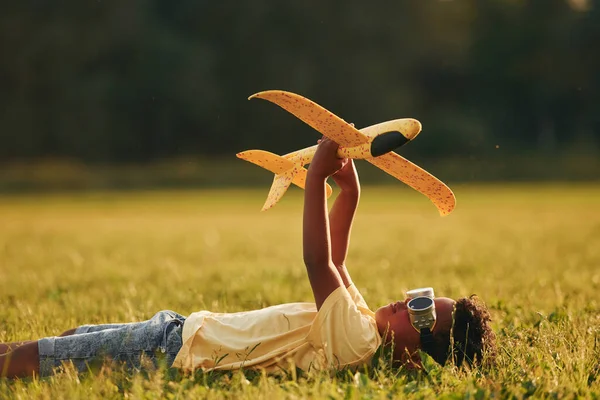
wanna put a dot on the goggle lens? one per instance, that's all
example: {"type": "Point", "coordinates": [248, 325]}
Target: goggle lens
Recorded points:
{"type": "Point", "coordinates": [420, 303]}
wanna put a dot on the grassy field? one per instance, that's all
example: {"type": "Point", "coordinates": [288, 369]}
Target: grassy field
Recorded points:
{"type": "Point", "coordinates": [532, 252]}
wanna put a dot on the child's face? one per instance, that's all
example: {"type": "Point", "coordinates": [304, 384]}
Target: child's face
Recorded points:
{"type": "Point", "coordinates": [394, 318]}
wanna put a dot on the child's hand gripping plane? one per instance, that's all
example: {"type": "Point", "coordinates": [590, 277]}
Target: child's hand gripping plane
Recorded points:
{"type": "Point", "coordinates": [374, 144]}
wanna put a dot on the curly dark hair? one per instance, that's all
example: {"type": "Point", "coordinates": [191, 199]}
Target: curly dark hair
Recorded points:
{"type": "Point", "coordinates": [471, 337]}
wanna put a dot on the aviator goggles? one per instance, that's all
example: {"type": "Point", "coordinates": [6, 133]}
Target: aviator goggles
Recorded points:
{"type": "Point", "coordinates": [421, 311]}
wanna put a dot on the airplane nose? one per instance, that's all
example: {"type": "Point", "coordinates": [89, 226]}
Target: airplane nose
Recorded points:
{"type": "Point", "coordinates": [411, 128]}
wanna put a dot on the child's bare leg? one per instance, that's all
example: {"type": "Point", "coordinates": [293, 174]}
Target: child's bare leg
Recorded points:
{"type": "Point", "coordinates": [22, 362]}
{"type": "Point", "coordinates": [8, 347]}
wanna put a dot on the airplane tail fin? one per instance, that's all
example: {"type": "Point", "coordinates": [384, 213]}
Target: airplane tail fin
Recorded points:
{"type": "Point", "coordinates": [280, 185]}
{"type": "Point", "coordinates": [286, 172]}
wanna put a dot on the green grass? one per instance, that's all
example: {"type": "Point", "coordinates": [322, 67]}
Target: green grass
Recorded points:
{"type": "Point", "coordinates": [532, 252]}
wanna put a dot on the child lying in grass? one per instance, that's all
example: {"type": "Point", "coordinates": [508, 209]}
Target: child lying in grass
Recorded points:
{"type": "Point", "coordinates": [337, 331]}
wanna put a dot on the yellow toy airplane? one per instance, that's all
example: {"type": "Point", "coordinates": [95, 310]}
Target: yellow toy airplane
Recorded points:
{"type": "Point", "coordinates": [373, 144]}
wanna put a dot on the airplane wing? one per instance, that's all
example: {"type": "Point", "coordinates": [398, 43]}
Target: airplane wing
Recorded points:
{"type": "Point", "coordinates": [316, 116]}
{"type": "Point", "coordinates": [418, 179]}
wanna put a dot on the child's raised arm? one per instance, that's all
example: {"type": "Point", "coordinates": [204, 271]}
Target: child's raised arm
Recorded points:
{"type": "Point", "coordinates": [322, 272]}
{"type": "Point", "coordinates": [341, 217]}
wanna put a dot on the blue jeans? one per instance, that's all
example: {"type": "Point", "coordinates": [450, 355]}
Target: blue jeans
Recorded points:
{"type": "Point", "coordinates": [125, 343]}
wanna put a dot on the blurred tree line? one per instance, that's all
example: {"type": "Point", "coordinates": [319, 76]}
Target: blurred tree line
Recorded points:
{"type": "Point", "coordinates": [145, 80]}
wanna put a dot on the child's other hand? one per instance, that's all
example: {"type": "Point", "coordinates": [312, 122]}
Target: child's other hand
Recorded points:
{"type": "Point", "coordinates": [325, 161]}
{"type": "Point", "coordinates": [347, 177]}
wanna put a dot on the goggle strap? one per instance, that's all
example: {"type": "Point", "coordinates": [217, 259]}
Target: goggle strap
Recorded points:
{"type": "Point", "coordinates": [427, 341]}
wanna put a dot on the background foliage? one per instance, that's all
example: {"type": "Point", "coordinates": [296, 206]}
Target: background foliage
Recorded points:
{"type": "Point", "coordinates": [109, 82]}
